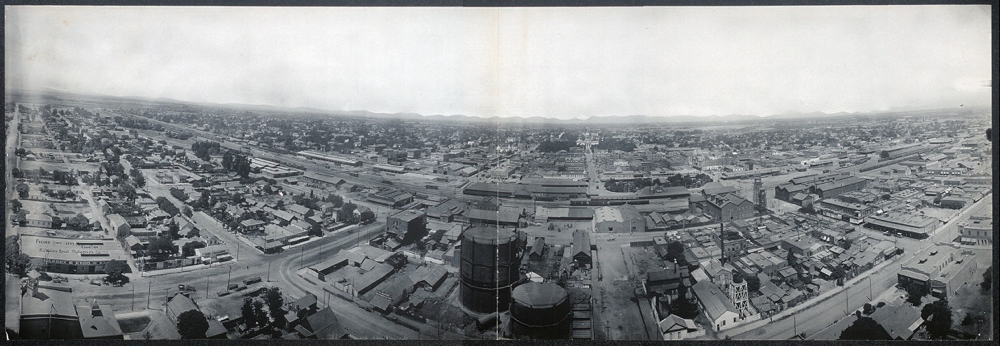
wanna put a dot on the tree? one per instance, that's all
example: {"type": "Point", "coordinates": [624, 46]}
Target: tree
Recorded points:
{"type": "Point", "coordinates": [188, 249]}
{"type": "Point", "coordinates": [116, 272]}
{"type": "Point", "coordinates": [987, 279]}
{"type": "Point", "coordinates": [914, 295]}
{"type": "Point", "coordinates": [187, 211]}
{"type": "Point", "coordinates": [939, 322]}
{"type": "Point", "coordinates": [260, 314]}
{"type": "Point", "coordinates": [15, 205]}
{"type": "Point", "coordinates": [864, 328]}
{"type": "Point", "coordinates": [137, 177]}
{"type": "Point", "coordinates": [683, 306]}
{"type": "Point", "coordinates": [194, 232]}
{"type": "Point", "coordinates": [162, 247]}
{"type": "Point", "coordinates": [78, 222]}
{"type": "Point", "coordinates": [275, 302]}
{"type": "Point", "coordinates": [346, 213]}
{"type": "Point", "coordinates": [16, 262]}
{"type": "Point", "coordinates": [675, 252]}
{"type": "Point", "coordinates": [192, 324]}
{"type": "Point", "coordinates": [336, 200]}
{"type": "Point", "coordinates": [249, 315]}
{"type": "Point", "coordinates": [753, 283]}
{"type": "Point", "coordinates": [175, 230]}
{"type": "Point", "coordinates": [367, 216]}
{"type": "Point", "coordinates": [22, 190]}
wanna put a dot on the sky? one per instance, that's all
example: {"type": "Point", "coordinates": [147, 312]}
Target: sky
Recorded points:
{"type": "Point", "coordinates": [525, 62]}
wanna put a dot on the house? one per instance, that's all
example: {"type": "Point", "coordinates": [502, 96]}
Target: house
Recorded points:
{"type": "Point", "coordinates": [581, 248]}
{"type": "Point", "coordinates": [321, 325]}
{"type": "Point", "coordinates": [251, 225]}
{"type": "Point", "coordinates": [133, 243]}
{"type": "Point", "coordinates": [537, 249]}
{"type": "Point", "coordinates": [99, 322]}
{"type": "Point", "coordinates": [429, 277]}
{"type": "Point", "coordinates": [283, 218]}
{"type": "Point", "coordinates": [666, 282]}
{"type": "Point", "coordinates": [119, 226]}
{"type": "Point", "coordinates": [300, 210]}
{"type": "Point", "coordinates": [677, 328]}
{"type": "Point", "coordinates": [716, 305]}
{"type": "Point", "coordinates": [395, 292]}
{"type": "Point", "coordinates": [300, 308]}
{"type": "Point", "coordinates": [900, 322]}
{"type": "Point", "coordinates": [179, 303]}
{"type": "Point", "coordinates": [47, 312]}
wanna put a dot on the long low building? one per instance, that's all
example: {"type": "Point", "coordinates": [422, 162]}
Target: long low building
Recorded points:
{"type": "Point", "coordinates": [912, 226]}
{"type": "Point", "coordinates": [332, 158]}
{"type": "Point", "coordinates": [72, 255]}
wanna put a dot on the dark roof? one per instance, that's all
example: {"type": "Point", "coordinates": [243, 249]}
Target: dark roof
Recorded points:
{"type": "Point", "coordinates": [321, 325]}
{"type": "Point", "coordinates": [305, 302]}
{"type": "Point", "coordinates": [581, 242]}
{"type": "Point", "coordinates": [538, 246]}
{"type": "Point", "coordinates": [101, 326]}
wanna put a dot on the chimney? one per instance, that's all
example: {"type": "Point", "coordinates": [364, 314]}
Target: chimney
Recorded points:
{"type": "Point", "coordinates": [95, 310]}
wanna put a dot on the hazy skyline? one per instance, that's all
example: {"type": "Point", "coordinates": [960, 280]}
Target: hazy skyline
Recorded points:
{"type": "Point", "coordinates": [550, 62]}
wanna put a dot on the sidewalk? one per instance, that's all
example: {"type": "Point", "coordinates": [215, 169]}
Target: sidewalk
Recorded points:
{"type": "Point", "coordinates": [821, 297]}
{"type": "Point", "coordinates": [158, 272]}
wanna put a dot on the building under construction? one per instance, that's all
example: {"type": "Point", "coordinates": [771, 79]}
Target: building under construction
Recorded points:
{"type": "Point", "coordinates": [490, 262]}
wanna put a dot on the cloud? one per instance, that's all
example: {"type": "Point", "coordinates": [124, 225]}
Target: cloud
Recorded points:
{"type": "Point", "coordinates": [556, 62]}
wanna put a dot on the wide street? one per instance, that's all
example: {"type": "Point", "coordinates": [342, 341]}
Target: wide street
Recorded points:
{"type": "Point", "coordinates": [827, 312]}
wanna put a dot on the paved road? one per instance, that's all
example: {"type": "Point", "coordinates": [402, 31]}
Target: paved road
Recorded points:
{"type": "Point", "coordinates": [825, 313]}
{"type": "Point", "coordinates": [358, 321]}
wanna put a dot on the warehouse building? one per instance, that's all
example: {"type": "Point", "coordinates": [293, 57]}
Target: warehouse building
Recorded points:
{"type": "Point", "coordinates": [72, 255]}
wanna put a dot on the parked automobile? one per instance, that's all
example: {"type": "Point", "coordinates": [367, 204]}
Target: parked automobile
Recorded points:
{"type": "Point", "coordinates": [95, 282]}
{"type": "Point", "coordinates": [252, 280]}
{"type": "Point", "coordinates": [223, 293]}
{"type": "Point", "coordinates": [241, 287]}
{"type": "Point", "coordinates": [232, 286]}
{"type": "Point", "coordinates": [188, 288]}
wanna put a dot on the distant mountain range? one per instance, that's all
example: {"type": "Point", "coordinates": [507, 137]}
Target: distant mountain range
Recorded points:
{"type": "Point", "coordinates": [50, 95]}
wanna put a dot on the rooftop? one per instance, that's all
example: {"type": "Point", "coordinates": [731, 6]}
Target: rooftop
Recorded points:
{"type": "Point", "coordinates": [71, 249]}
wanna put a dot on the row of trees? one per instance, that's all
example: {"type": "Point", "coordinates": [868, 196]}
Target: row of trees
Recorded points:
{"type": "Point", "coordinates": [15, 262]}
{"type": "Point", "coordinates": [204, 150]}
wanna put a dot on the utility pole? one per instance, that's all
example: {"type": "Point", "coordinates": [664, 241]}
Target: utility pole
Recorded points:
{"type": "Point", "coordinates": [268, 271]}
{"type": "Point", "coordinates": [795, 326]}
{"type": "Point", "coordinates": [302, 251]}
{"type": "Point", "coordinates": [847, 301]}
{"type": "Point", "coordinates": [148, 293]}
{"type": "Point", "coordinates": [133, 296]}
{"type": "Point", "coordinates": [871, 295]}
{"type": "Point", "coordinates": [230, 279]}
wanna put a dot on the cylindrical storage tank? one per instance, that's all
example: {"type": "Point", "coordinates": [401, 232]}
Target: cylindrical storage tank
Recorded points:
{"type": "Point", "coordinates": [540, 311]}
{"type": "Point", "coordinates": [490, 260]}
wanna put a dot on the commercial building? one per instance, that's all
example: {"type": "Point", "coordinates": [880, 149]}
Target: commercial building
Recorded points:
{"type": "Point", "coordinates": [407, 225]}
{"type": "Point", "coordinates": [834, 188]}
{"type": "Point", "coordinates": [391, 197]}
{"type": "Point", "coordinates": [331, 158]}
{"type": "Point", "coordinates": [99, 322]}
{"type": "Point", "coordinates": [912, 226]}
{"type": "Point", "coordinates": [72, 255]}
{"type": "Point", "coordinates": [939, 270]}
{"type": "Point", "coordinates": [727, 207]}
{"type": "Point", "coordinates": [717, 306]}
{"type": "Point", "coordinates": [978, 230]}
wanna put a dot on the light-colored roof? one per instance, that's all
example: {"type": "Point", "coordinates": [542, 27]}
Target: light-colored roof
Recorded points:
{"type": "Point", "coordinates": [713, 300]}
